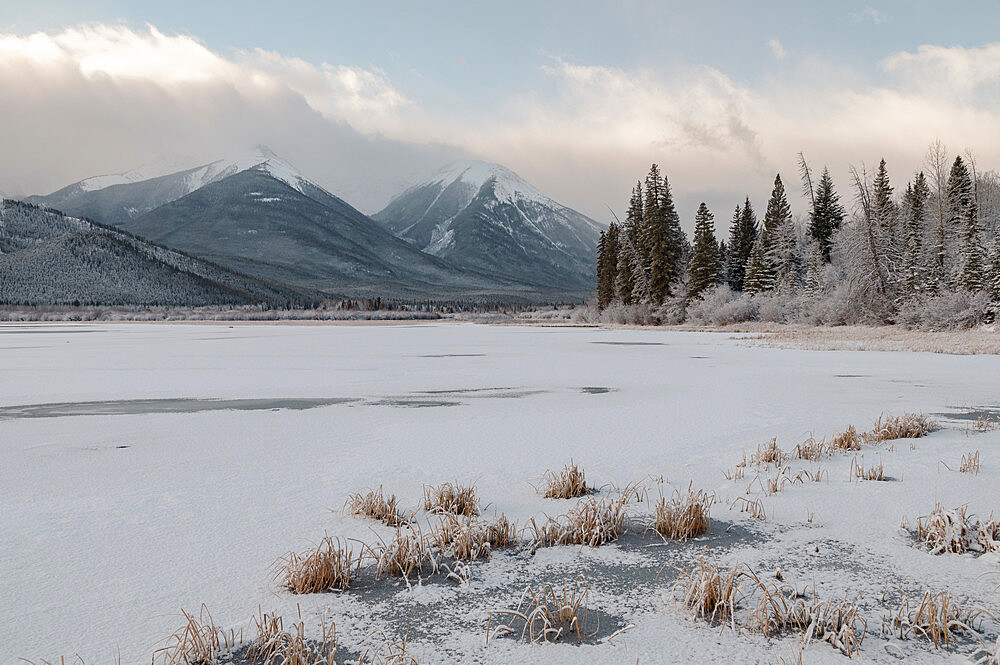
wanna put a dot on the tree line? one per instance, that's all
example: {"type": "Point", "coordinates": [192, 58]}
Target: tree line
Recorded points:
{"type": "Point", "coordinates": [938, 235]}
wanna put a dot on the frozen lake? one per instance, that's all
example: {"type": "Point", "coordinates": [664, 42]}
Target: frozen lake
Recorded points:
{"type": "Point", "coordinates": [146, 468]}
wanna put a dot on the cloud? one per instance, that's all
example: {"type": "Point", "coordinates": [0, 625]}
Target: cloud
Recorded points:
{"type": "Point", "coordinates": [777, 49]}
{"type": "Point", "coordinates": [870, 15]}
{"type": "Point", "coordinates": [99, 99]}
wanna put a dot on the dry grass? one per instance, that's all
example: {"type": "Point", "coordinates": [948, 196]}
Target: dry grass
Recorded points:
{"type": "Point", "coordinates": [409, 552]}
{"type": "Point", "coordinates": [811, 450]}
{"type": "Point", "coordinates": [387, 651]}
{"type": "Point", "coordinates": [891, 428]}
{"type": "Point", "coordinates": [953, 531]}
{"type": "Point", "coordinates": [859, 472]}
{"type": "Point", "coordinates": [377, 506]}
{"type": "Point", "coordinates": [753, 507]}
{"type": "Point", "coordinates": [984, 424]}
{"type": "Point", "coordinates": [501, 533]}
{"type": "Point", "coordinates": [708, 592]}
{"type": "Point", "coordinates": [565, 484]}
{"type": "Point", "coordinates": [738, 472]}
{"type": "Point", "coordinates": [838, 623]}
{"type": "Point", "coordinates": [198, 642]}
{"type": "Point", "coordinates": [984, 655]}
{"type": "Point", "coordinates": [769, 453]}
{"type": "Point", "coordinates": [591, 522]}
{"type": "Point", "coordinates": [846, 441]}
{"type": "Point", "coordinates": [327, 567]}
{"type": "Point", "coordinates": [461, 538]}
{"type": "Point", "coordinates": [276, 646]}
{"type": "Point", "coordinates": [684, 516]}
{"type": "Point", "coordinates": [451, 498]}
{"type": "Point", "coordinates": [936, 619]}
{"type": "Point", "coordinates": [883, 338]}
{"type": "Point", "coordinates": [547, 614]}
{"type": "Point", "coordinates": [970, 463]}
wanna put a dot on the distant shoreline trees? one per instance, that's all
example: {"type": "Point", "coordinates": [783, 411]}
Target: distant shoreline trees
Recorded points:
{"type": "Point", "coordinates": [898, 249]}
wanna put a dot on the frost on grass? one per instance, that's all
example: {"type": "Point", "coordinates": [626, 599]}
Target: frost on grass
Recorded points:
{"type": "Point", "coordinates": [327, 567]}
{"type": "Point", "coordinates": [591, 522]}
{"type": "Point", "coordinates": [274, 645]}
{"type": "Point", "coordinates": [907, 426]}
{"type": "Point", "coordinates": [565, 484]}
{"type": "Point", "coordinates": [937, 618]}
{"type": "Point", "coordinates": [547, 613]}
{"type": "Point", "coordinates": [198, 642]}
{"type": "Point", "coordinates": [376, 505]}
{"type": "Point", "coordinates": [683, 516]}
{"type": "Point", "coordinates": [954, 531]}
{"type": "Point", "coordinates": [451, 498]}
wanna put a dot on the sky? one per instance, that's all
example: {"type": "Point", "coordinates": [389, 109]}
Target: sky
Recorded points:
{"type": "Point", "coordinates": [578, 97]}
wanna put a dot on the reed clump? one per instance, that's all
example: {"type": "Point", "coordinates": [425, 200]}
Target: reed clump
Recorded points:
{"type": "Point", "coordinates": [859, 472]}
{"type": "Point", "coordinates": [198, 642]}
{"type": "Point", "coordinates": [326, 567]}
{"type": "Point", "coordinates": [936, 618]}
{"type": "Point", "coordinates": [846, 441]}
{"type": "Point", "coordinates": [890, 428]}
{"type": "Point", "coordinates": [547, 613]}
{"type": "Point", "coordinates": [376, 505]}
{"type": "Point", "coordinates": [451, 498]}
{"type": "Point", "coordinates": [684, 516]}
{"type": "Point", "coordinates": [565, 484]}
{"type": "Point", "coordinates": [970, 463]}
{"type": "Point", "coordinates": [591, 522]}
{"type": "Point", "coordinates": [954, 531]}
{"type": "Point", "coordinates": [276, 646]}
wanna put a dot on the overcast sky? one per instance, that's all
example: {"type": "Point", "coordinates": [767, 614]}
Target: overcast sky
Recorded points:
{"type": "Point", "coordinates": [578, 97]}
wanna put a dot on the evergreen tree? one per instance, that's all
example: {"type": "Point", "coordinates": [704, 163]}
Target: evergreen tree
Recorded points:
{"type": "Point", "coordinates": [629, 261]}
{"type": "Point", "coordinates": [607, 266]}
{"type": "Point", "coordinates": [814, 269]}
{"type": "Point", "coordinates": [827, 214]}
{"type": "Point", "coordinates": [965, 216]}
{"type": "Point", "coordinates": [723, 262]}
{"type": "Point", "coordinates": [994, 284]}
{"type": "Point", "coordinates": [742, 236]}
{"type": "Point", "coordinates": [758, 272]}
{"type": "Point", "coordinates": [704, 268]}
{"type": "Point", "coordinates": [779, 236]}
{"type": "Point", "coordinates": [664, 236]}
{"type": "Point", "coordinates": [915, 203]}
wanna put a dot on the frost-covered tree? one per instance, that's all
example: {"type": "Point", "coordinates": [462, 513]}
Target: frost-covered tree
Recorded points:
{"type": "Point", "coordinates": [814, 269]}
{"type": "Point", "coordinates": [758, 272]}
{"type": "Point", "coordinates": [742, 235]}
{"type": "Point", "coordinates": [937, 167]}
{"type": "Point", "coordinates": [915, 210]}
{"type": "Point", "coordinates": [704, 268]}
{"type": "Point", "coordinates": [663, 236]}
{"type": "Point", "coordinates": [779, 237]}
{"type": "Point", "coordinates": [827, 215]}
{"type": "Point", "coordinates": [994, 272]}
{"type": "Point", "coordinates": [607, 266]}
{"type": "Point", "coordinates": [964, 216]}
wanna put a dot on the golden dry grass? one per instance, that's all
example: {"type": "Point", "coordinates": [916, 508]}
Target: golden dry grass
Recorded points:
{"type": "Point", "coordinates": [859, 472]}
{"type": "Point", "coordinates": [846, 441]}
{"type": "Point", "coordinates": [863, 338]}
{"type": "Point", "coordinates": [385, 650]}
{"type": "Point", "coordinates": [937, 619]}
{"type": "Point", "coordinates": [769, 454]}
{"type": "Point", "coordinates": [984, 424]}
{"type": "Point", "coordinates": [326, 567]}
{"type": "Point", "coordinates": [684, 516]}
{"type": "Point", "coordinates": [891, 428]}
{"type": "Point", "coordinates": [376, 505]}
{"type": "Point", "coordinates": [953, 531]}
{"type": "Point", "coordinates": [198, 642]}
{"type": "Point", "coordinates": [811, 450]}
{"type": "Point", "coordinates": [753, 507]}
{"type": "Point", "coordinates": [970, 463]}
{"type": "Point", "coordinates": [591, 522]}
{"type": "Point", "coordinates": [451, 498]}
{"type": "Point", "coordinates": [547, 614]}
{"type": "Point", "coordinates": [708, 592]}
{"type": "Point", "coordinates": [565, 484]}
{"type": "Point", "coordinates": [461, 538]}
{"type": "Point", "coordinates": [407, 553]}
{"type": "Point", "coordinates": [501, 532]}
{"type": "Point", "coordinates": [274, 645]}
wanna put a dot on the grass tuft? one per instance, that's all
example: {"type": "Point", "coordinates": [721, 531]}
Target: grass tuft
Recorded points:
{"type": "Point", "coordinates": [683, 516]}
{"type": "Point", "coordinates": [859, 472]}
{"type": "Point", "coordinates": [846, 441]}
{"type": "Point", "coordinates": [565, 484]}
{"type": "Point", "coordinates": [547, 614]}
{"type": "Point", "coordinates": [327, 567]}
{"type": "Point", "coordinates": [708, 592]}
{"type": "Point", "coordinates": [276, 646]}
{"type": "Point", "coordinates": [952, 531]}
{"type": "Point", "coordinates": [408, 553]}
{"type": "Point", "coordinates": [890, 428]}
{"type": "Point", "coordinates": [936, 619]}
{"type": "Point", "coordinates": [451, 498]}
{"type": "Point", "coordinates": [591, 522]}
{"type": "Point", "coordinates": [970, 463]}
{"type": "Point", "coordinates": [377, 506]}
{"type": "Point", "coordinates": [198, 642]}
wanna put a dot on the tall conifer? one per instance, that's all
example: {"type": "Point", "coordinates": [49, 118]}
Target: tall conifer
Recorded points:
{"type": "Point", "coordinates": [703, 270]}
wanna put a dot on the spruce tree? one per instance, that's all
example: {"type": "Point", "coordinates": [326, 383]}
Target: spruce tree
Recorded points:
{"type": "Point", "coordinates": [742, 236]}
{"type": "Point", "coordinates": [779, 236]}
{"type": "Point", "coordinates": [758, 272]}
{"type": "Point", "coordinates": [915, 204]}
{"type": "Point", "coordinates": [994, 273]}
{"type": "Point", "coordinates": [704, 267]}
{"type": "Point", "coordinates": [602, 262]}
{"type": "Point", "coordinates": [607, 266]}
{"type": "Point", "coordinates": [664, 236]}
{"type": "Point", "coordinates": [827, 214]}
{"type": "Point", "coordinates": [629, 259]}
{"type": "Point", "coordinates": [814, 270]}
{"type": "Point", "coordinates": [965, 216]}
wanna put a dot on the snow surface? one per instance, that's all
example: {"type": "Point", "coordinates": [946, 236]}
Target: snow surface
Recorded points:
{"type": "Point", "coordinates": [113, 523]}
{"type": "Point", "coordinates": [508, 186]}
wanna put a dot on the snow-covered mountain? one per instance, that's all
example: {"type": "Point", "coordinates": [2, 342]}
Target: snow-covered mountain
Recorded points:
{"type": "Point", "coordinates": [485, 217]}
{"type": "Point", "coordinates": [271, 222]}
{"type": "Point", "coordinates": [116, 199]}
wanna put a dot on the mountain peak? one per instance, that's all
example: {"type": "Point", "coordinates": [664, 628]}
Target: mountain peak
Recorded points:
{"type": "Point", "coordinates": [507, 185]}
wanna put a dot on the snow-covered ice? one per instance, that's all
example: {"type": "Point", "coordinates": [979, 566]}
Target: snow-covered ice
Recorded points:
{"type": "Point", "coordinates": [115, 517]}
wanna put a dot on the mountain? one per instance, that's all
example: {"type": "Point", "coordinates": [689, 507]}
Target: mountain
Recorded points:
{"type": "Point", "coordinates": [49, 258]}
{"type": "Point", "coordinates": [271, 222]}
{"type": "Point", "coordinates": [118, 199]}
{"type": "Point", "coordinates": [484, 217]}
